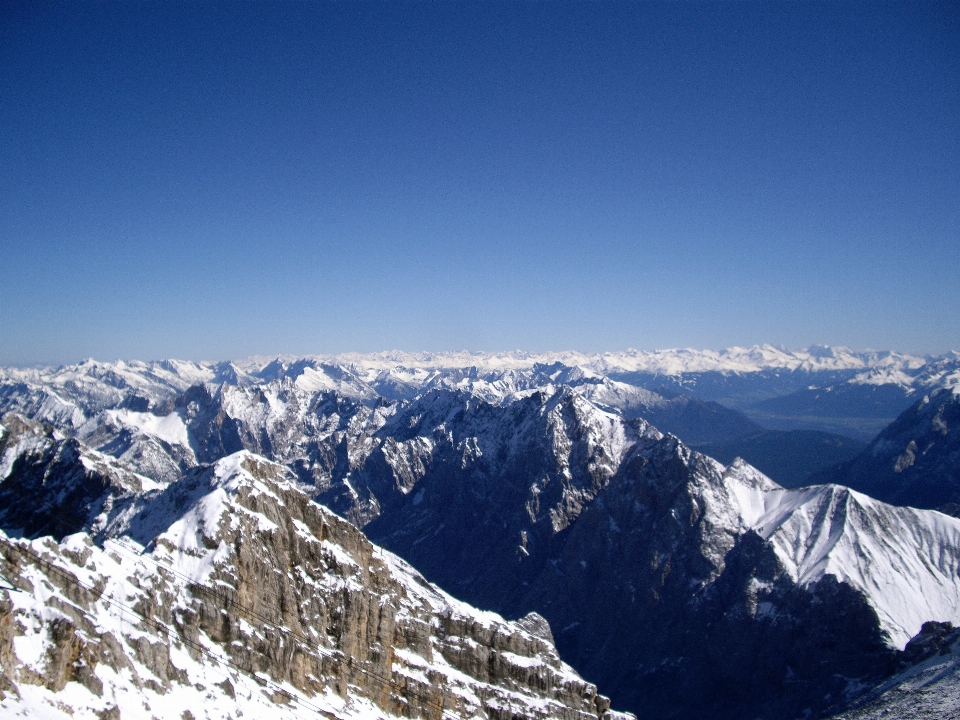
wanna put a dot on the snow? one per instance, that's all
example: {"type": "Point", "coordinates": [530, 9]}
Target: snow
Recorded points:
{"type": "Point", "coordinates": [906, 561]}
{"type": "Point", "coordinates": [31, 650]}
{"type": "Point", "coordinates": [312, 380]}
{"type": "Point", "coordinates": [350, 372]}
{"type": "Point", "coordinates": [76, 701]}
{"type": "Point", "coordinates": [884, 376]}
{"type": "Point", "coordinates": [26, 443]}
{"type": "Point", "coordinates": [753, 492]}
{"type": "Point", "coordinates": [929, 689]}
{"type": "Point", "coordinates": [422, 370]}
{"type": "Point", "coordinates": [169, 428]}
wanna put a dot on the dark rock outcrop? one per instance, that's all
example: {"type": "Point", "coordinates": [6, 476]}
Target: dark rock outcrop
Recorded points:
{"type": "Point", "coordinates": [915, 461]}
{"type": "Point", "coordinates": [54, 486]}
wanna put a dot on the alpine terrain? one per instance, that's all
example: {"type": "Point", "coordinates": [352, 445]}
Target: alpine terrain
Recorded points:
{"type": "Point", "coordinates": [916, 459]}
{"type": "Point", "coordinates": [230, 592]}
{"type": "Point", "coordinates": [560, 490]}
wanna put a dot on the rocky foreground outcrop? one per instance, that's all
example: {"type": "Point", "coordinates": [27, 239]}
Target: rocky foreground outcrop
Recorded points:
{"type": "Point", "coordinates": [230, 593]}
{"type": "Point", "coordinates": [928, 686]}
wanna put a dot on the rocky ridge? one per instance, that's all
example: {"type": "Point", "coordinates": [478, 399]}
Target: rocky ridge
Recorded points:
{"type": "Point", "coordinates": [913, 461]}
{"type": "Point", "coordinates": [229, 591]}
{"type": "Point", "coordinates": [681, 586]}
{"type": "Point", "coordinates": [928, 687]}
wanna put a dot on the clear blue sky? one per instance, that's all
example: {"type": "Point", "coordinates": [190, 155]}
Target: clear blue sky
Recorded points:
{"type": "Point", "coordinates": [209, 181]}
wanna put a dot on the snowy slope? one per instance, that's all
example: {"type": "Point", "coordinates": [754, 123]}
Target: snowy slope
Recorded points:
{"type": "Point", "coordinates": [71, 396]}
{"type": "Point", "coordinates": [252, 599]}
{"type": "Point", "coordinates": [907, 575]}
{"type": "Point", "coordinates": [663, 362]}
{"type": "Point", "coordinates": [519, 482]}
{"type": "Point", "coordinates": [905, 561]}
{"type": "Point", "coordinates": [104, 384]}
{"type": "Point", "coordinates": [928, 687]}
{"type": "Point", "coordinates": [914, 374]}
{"type": "Point", "coordinates": [631, 544]}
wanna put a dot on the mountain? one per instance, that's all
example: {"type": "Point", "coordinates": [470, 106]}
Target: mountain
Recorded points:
{"type": "Point", "coordinates": [861, 405]}
{"type": "Point", "coordinates": [53, 485]}
{"type": "Point", "coordinates": [683, 587]}
{"type": "Point", "coordinates": [790, 457]}
{"type": "Point", "coordinates": [737, 377]}
{"type": "Point", "coordinates": [276, 410]}
{"type": "Point", "coordinates": [915, 460]}
{"type": "Point", "coordinates": [229, 592]}
{"type": "Point", "coordinates": [928, 687]}
{"type": "Point", "coordinates": [695, 420]}
{"type": "Point", "coordinates": [834, 390]}
{"type": "Point", "coordinates": [662, 363]}
{"type": "Point", "coordinates": [143, 418]}
{"type": "Point", "coordinates": [831, 390]}
{"type": "Point", "coordinates": [741, 377]}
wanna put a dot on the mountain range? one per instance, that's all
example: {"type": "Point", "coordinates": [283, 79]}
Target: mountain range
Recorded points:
{"type": "Point", "coordinates": [566, 491]}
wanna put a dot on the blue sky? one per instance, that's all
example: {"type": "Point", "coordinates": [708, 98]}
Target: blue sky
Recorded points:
{"type": "Point", "coordinates": [209, 181]}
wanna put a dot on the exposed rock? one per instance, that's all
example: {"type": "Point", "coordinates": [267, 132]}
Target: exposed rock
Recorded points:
{"type": "Point", "coordinates": [659, 577]}
{"type": "Point", "coordinates": [915, 460]}
{"type": "Point", "coordinates": [685, 588]}
{"type": "Point", "coordinates": [934, 638]}
{"type": "Point", "coordinates": [251, 571]}
{"type": "Point", "coordinates": [926, 686]}
{"type": "Point", "coordinates": [51, 485]}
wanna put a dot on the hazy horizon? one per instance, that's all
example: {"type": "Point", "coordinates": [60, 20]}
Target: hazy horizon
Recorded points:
{"type": "Point", "coordinates": [346, 355]}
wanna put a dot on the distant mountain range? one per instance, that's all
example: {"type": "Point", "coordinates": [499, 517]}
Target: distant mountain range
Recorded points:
{"type": "Point", "coordinates": [562, 485]}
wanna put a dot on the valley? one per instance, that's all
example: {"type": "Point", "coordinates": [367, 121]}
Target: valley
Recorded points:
{"type": "Point", "coordinates": [626, 528]}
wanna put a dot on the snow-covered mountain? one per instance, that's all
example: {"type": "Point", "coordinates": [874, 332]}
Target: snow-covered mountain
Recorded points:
{"type": "Point", "coordinates": [859, 404]}
{"type": "Point", "coordinates": [231, 593]}
{"type": "Point", "coordinates": [681, 586]}
{"type": "Point", "coordinates": [298, 412]}
{"type": "Point", "coordinates": [935, 373]}
{"type": "Point", "coordinates": [657, 362]}
{"type": "Point", "coordinates": [862, 390]}
{"type": "Point", "coordinates": [401, 374]}
{"type": "Point", "coordinates": [657, 566]}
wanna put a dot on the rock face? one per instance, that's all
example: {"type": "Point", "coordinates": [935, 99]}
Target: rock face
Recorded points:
{"type": "Point", "coordinates": [915, 460]}
{"type": "Point", "coordinates": [927, 686]}
{"type": "Point", "coordinates": [684, 588]}
{"type": "Point", "coordinates": [508, 483]}
{"type": "Point", "coordinates": [52, 485]}
{"type": "Point", "coordinates": [230, 591]}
